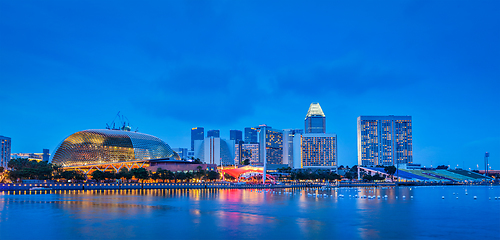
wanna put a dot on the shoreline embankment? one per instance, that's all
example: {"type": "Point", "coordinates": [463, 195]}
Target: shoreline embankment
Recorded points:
{"type": "Point", "coordinates": [125, 186]}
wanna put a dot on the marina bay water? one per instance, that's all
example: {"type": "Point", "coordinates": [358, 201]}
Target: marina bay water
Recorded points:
{"type": "Point", "coordinates": [465, 212]}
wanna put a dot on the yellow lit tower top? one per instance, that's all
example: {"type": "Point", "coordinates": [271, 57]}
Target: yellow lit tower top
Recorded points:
{"type": "Point", "coordinates": [315, 121]}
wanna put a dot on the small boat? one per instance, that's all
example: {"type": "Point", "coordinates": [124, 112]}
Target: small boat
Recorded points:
{"type": "Point", "coordinates": [40, 188]}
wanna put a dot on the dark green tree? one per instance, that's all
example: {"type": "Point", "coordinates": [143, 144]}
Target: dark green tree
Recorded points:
{"type": "Point", "coordinates": [213, 175]}
{"type": "Point", "coordinates": [390, 170]}
{"type": "Point", "coordinates": [349, 175]}
{"type": "Point", "coordinates": [97, 175]}
{"type": "Point", "coordinates": [377, 177]}
{"type": "Point", "coordinates": [246, 162]}
{"type": "Point", "coordinates": [110, 174]}
{"type": "Point", "coordinates": [156, 175]}
{"type": "Point", "coordinates": [22, 168]}
{"type": "Point", "coordinates": [189, 176]}
{"type": "Point", "coordinates": [124, 173]}
{"type": "Point", "coordinates": [200, 173]}
{"type": "Point", "coordinates": [70, 175]}
{"type": "Point", "coordinates": [180, 176]}
{"type": "Point", "coordinates": [367, 177]}
{"type": "Point", "coordinates": [140, 173]}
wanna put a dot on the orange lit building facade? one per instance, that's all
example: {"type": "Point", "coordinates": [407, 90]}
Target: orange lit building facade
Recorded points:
{"type": "Point", "coordinates": [318, 150]}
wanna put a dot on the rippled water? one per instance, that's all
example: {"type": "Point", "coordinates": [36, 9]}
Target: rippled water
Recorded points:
{"type": "Point", "coordinates": [248, 214]}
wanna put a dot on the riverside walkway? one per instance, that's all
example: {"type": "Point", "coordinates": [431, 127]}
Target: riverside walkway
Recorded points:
{"type": "Point", "coordinates": [124, 186]}
{"type": "Point", "coordinates": [118, 186]}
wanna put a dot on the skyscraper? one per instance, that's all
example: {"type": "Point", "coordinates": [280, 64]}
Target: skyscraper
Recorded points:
{"type": "Point", "coordinates": [251, 135]}
{"type": "Point", "coordinates": [46, 155]}
{"type": "Point", "coordinates": [315, 121]}
{"type": "Point", "coordinates": [5, 148]}
{"type": "Point", "coordinates": [197, 133]}
{"type": "Point", "coordinates": [214, 150]}
{"type": "Point", "coordinates": [288, 138]}
{"type": "Point", "coordinates": [248, 151]}
{"type": "Point", "coordinates": [235, 135]}
{"type": "Point", "coordinates": [213, 133]}
{"type": "Point", "coordinates": [271, 141]}
{"type": "Point", "coordinates": [318, 150]}
{"type": "Point", "coordinates": [384, 140]}
{"type": "Point", "coordinates": [314, 148]}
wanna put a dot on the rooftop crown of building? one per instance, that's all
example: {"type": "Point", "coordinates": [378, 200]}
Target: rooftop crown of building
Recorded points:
{"type": "Point", "coordinates": [315, 110]}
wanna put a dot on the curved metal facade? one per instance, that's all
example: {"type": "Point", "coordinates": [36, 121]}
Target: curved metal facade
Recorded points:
{"type": "Point", "coordinates": [102, 146]}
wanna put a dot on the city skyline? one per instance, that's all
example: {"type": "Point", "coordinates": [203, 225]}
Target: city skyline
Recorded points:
{"type": "Point", "coordinates": [216, 65]}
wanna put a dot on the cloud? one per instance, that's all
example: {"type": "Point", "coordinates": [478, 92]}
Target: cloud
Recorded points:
{"type": "Point", "coordinates": [208, 90]}
{"type": "Point", "coordinates": [213, 90]}
{"type": "Point", "coordinates": [353, 75]}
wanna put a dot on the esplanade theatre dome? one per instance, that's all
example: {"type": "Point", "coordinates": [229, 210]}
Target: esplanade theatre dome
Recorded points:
{"type": "Point", "coordinates": [103, 146]}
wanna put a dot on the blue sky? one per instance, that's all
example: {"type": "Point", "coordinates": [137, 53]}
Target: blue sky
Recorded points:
{"type": "Point", "coordinates": [67, 66]}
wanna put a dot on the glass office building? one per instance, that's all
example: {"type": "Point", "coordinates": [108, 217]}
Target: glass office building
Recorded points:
{"type": "Point", "coordinates": [288, 138]}
{"type": "Point", "coordinates": [213, 133]}
{"type": "Point", "coordinates": [214, 150]}
{"type": "Point", "coordinates": [271, 141]}
{"type": "Point", "coordinates": [251, 135]}
{"type": "Point", "coordinates": [248, 151]}
{"type": "Point", "coordinates": [384, 140]}
{"type": "Point", "coordinates": [235, 135]}
{"type": "Point", "coordinates": [5, 150]}
{"type": "Point", "coordinates": [197, 133]}
{"type": "Point", "coordinates": [103, 146]}
{"type": "Point", "coordinates": [315, 121]}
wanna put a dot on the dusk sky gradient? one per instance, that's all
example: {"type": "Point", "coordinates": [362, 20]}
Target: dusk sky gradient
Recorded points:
{"type": "Point", "coordinates": [67, 66]}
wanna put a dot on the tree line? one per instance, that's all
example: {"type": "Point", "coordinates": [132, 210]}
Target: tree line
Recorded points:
{"type": "Point", "coordinates": [325, 174]}
{"type": "Point", "coordinates": [161, 175]}
{"type": "Point", "coordinates": [22, 168]}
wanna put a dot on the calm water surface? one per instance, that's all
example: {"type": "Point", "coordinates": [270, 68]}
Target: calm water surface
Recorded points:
{"type": "Point", "coordinates": [248, 214]}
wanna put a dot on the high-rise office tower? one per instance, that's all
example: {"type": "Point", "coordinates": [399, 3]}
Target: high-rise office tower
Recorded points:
{"type": "Point", "coordinates": [5, 148]}
{"type": "Point", "coordinates": [235, 135]}
{"type": "Point", "coordinates": [214, 150]}
{"type": "Point", "coordinates": [288, 138]}
{"type": "Point", "coordinates": [248, 151]}
{"type": "Point", "coordinates": [197, 133]}
{"type": "Point", "coordinates": [315, 121]}
{"type": "Point", "coordinates": [251, 135]}
{"type": "Point", "coordinates": [213, 133]}
{"type": "Point", "coordinates": [271, 141]}
{"type": "Point", "coordinates": [384, 140]}
{"type": "Point", "coordinates": [45, 155]}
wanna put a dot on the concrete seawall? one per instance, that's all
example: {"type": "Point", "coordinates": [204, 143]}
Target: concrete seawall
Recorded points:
{"type": "Point", "coordinates": [116, 186]}
{"type": "Point", "coordinates": [124, 186]}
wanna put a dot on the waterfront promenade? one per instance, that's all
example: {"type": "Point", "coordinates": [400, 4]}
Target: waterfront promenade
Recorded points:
{"type": "Point", "coordinates": [118, 186]}
{"type": "Point", "coordinates": [280, 213]}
